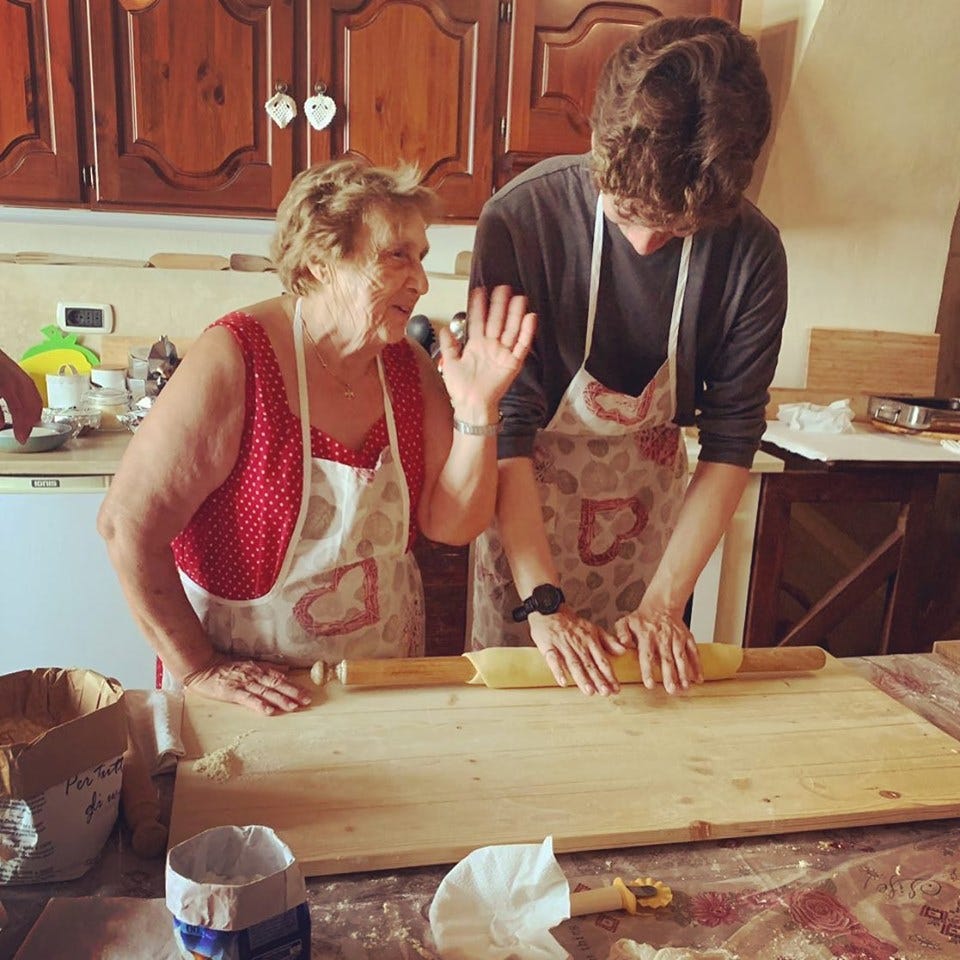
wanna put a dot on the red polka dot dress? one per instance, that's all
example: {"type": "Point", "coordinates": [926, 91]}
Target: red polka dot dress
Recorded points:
{"type": "Point", "coordinates": [280, 568]}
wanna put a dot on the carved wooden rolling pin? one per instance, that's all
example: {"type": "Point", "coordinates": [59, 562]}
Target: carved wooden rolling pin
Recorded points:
{"type": "Point", "coordinates": [500, 667]}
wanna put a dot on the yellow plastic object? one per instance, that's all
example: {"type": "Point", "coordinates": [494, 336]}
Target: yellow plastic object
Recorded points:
{"type": "Point", "coordinates": [662, 898]}
{"type": "Point", "coordinates": [619, 896]}
{"type": "Point", "coordinates": [57, 349]}
{"type": "Point", "coordinates": [506, 667]}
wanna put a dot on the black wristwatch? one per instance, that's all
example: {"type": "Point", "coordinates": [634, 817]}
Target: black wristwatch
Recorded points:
{"type": "Point", "coordinates": [546, 598]}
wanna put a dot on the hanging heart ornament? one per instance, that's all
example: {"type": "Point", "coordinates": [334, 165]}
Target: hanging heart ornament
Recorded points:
{"type": "Point", "coordinates": [319, 109]}
{"type": "Point", "coordinates": [281, 108]}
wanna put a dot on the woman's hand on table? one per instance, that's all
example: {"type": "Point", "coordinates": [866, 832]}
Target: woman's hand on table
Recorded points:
{"type": "Point", "coordinates": [662, 641]}
{"type": "Point", "coordinates": [251, 683]}
{"type": "Point", "coordinates": [499, 334]}
{"type": "Point", "coordinates": [576, 648]}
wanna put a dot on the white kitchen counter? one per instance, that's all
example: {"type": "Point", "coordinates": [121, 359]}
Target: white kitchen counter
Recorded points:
{"type": "Point", "coordinates": [862, 444]}
{"type": "Point", "coordinates": [96, 454]}
{"type": "Point", "coordinates": [99, 453]}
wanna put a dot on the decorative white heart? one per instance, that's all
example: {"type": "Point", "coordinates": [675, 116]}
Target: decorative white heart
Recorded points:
{"type": "Point", "coordinates": [319, 110]}
{"type": "Point", "coordinates": [281, 108]}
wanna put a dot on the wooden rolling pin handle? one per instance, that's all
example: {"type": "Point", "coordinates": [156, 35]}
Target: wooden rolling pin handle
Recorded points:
{"type": "Point", "coordinates": [141, 806]}
{"type": "Point", "coordinates": [781, 659]}
{"type": "Point", "coordinates": [401, 672]}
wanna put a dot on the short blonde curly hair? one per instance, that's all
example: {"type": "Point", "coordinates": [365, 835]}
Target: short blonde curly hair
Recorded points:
{"type": "Point", "coordinates": [327, 207]}
{"type": "Point", "coordinates": [681, 112]}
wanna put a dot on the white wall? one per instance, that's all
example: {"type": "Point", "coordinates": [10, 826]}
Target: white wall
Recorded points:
{"type": "Point", "coordinates": [863, 172]}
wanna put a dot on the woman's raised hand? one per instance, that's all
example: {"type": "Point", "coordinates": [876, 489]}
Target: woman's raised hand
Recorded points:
{"type": "Point", "coordinates": [499, 334]}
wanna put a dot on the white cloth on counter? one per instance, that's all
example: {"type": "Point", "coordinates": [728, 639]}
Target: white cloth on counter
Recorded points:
{"type": "Point", "coordinates": [631, 950]}
{"type": "Point", "coordinates": [863, 443]}
{"type": "Point", "coordinates": [952, 445]}
{"type": "Point", "coordinates": [836, 417]}
{"type": "Point", "coordinates": [500, 902]}
{"type": "Point", "coordinates": [155, 722]}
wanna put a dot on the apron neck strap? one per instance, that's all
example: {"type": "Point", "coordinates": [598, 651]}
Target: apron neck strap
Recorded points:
{"type": "Point", "coordinates": [304, 399]}
{"type": "Point", "coordinates": [595, 259]}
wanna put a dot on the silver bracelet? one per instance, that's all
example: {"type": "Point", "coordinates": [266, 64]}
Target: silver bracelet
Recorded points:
{"type": "Point", "coordinates": [478, 429]}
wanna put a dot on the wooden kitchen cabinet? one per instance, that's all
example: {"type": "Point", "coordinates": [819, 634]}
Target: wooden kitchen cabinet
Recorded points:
{"type": "Point", "coordinates": [39, 159]}
{"type": "Point", "coordinates": [412, 80]}
{"type": "Point", "coordinates": [171, 114]}
{"type": "Point", "coordinates": [177, 92]}
{"type": "Point", "coordinates": [553, 58]}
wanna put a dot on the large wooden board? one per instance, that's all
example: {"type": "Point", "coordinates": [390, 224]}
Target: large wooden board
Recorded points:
{"type": "Point", "coordinates": [373, 779]}
{"type": "Point", "coordinates": [872, 362]}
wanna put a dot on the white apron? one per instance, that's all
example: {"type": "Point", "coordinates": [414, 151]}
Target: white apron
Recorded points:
{"type": "Point", "coordinates": [611, 470]}
{"type": "Point", "coordinates": [347, 586]}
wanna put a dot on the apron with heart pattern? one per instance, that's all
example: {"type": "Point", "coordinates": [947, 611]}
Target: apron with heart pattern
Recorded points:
{"type": "Point", "coordinates": [347, 587]}
{"type": "Point", "coordinates": [611, 470]}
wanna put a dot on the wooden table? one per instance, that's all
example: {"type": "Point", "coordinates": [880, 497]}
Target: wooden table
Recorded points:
{"type": "Point", "coordinates": [883, 890]}
{"type": "Point", "coordinates": [897, 561]}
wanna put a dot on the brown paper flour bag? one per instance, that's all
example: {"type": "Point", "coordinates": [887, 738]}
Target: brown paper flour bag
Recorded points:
{"type": "Point", "coordinates": [62, 737]}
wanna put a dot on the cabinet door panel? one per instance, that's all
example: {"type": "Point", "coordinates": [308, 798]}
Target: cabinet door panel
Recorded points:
{"type": "Point", "coordinates": [413, 81]}
{"type": "Point", "coordinates": [178, 94]}
{"type": "Point", "coordinates": [557, 50]}
{"type": "Point", "coordinates": [38, 104]}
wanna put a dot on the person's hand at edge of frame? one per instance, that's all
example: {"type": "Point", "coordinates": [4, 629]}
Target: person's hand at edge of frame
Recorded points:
{"type": "Point", "coordinates": [22, 397]}
{"type": "Point", "coordinates": [576, 649]}
{"type": "Point", "coordinates": [254, 684]}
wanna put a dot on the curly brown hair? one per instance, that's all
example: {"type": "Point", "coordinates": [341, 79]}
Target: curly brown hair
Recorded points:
{"type": "Point", "coordinates": [681, 112]}
{"type": "Point", "coordinates": [326, 207]}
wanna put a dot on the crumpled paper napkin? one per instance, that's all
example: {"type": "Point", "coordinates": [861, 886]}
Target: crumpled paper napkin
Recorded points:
{"type": "Point", "coordinates": [836, 417]}
{"type": "Point", "coordinates": [499, 903]}
{"type": "Point", "coordinates": [155, 720]}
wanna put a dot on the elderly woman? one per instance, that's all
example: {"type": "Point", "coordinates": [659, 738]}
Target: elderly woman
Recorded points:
{"type": "Point", "coordinates": [264, 513]}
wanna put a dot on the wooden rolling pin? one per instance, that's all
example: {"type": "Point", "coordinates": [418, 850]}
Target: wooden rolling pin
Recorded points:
{"type": "Point", "coordinates": [504, 667]}
{"type": "Point", "coordinates": [140, 805]}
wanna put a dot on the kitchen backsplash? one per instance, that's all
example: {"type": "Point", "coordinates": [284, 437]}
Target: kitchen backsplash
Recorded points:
{"type": "Point", "coordinates": [152, 301]}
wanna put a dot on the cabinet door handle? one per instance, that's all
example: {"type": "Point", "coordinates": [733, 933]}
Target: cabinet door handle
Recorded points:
{"type": "Point", "coordinates": [281, 108]}
{"type": "Point", "coordinates": [319, 109]}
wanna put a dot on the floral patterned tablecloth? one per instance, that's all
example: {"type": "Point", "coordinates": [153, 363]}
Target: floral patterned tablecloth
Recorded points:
{"type": "Point", "coordinates": [871, 893]}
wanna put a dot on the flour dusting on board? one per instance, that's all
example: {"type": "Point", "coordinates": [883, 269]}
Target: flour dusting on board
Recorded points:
{"type": "Point", "coordinates": [221, 764]}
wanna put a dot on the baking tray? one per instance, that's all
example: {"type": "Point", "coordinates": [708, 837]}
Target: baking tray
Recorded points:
{"type": "Point", "coordinates": [916, 413]}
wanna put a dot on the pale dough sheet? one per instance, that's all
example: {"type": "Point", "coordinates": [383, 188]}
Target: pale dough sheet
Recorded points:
{"type": "Point", "coordinates": [504, 667]}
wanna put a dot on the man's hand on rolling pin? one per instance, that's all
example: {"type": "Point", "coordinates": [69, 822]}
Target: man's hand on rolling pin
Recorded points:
{"type": "Point", "coordinates": [662, 639]}
{"type": "Point", "coordinates": [251, 683]}
{"type": "Point", "coordinates": [574, 647]}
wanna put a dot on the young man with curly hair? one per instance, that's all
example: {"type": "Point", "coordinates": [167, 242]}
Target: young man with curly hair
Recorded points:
{"type": "Point", "coordinates": [661, 294]}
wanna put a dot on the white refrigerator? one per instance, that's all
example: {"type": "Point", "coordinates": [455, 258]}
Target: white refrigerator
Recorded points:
{"type": "Point", "coordinates": [60, 601]}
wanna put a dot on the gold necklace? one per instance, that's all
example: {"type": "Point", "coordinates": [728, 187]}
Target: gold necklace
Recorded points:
{"type": "Point", "coordinates": [348, 391]}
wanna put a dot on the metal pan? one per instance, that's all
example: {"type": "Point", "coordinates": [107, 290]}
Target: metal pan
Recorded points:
{"type": "Point", "coordinates": [47, 436]}
{"type": "Point", "coordinates": [916, 413]}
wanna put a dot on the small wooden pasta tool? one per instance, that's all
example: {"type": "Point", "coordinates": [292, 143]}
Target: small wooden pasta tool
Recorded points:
{"type": "Point", "coordinates": [518, 667]}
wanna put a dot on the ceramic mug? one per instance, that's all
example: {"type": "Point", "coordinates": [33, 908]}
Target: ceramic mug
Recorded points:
{"type": "Point", "coordinates": [66, 387]}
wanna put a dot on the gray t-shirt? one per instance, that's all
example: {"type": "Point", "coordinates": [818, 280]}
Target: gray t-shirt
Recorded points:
{"type": "Point", "coordinates": [536, 235]}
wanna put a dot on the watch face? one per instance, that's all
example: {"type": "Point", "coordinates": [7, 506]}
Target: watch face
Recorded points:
{"type": "Point", "coordinates": [547, 598]}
